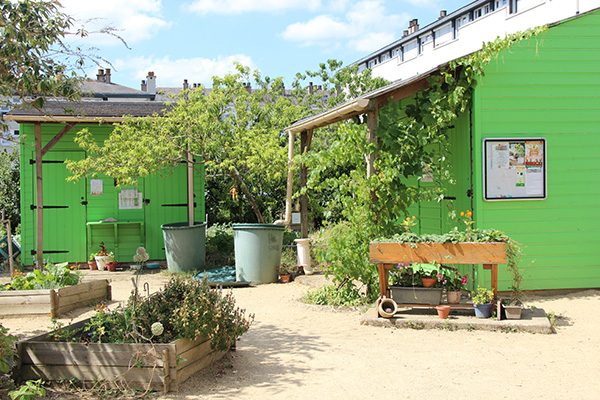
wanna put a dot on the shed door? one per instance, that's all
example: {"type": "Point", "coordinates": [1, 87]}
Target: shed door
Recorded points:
{"type": "Point", "coordinates": [166, 202]}
{"type": "Point", "coordinates": [64, 209]}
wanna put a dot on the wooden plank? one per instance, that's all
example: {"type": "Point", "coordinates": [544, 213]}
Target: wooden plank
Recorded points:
{"type": "Point", "coordinates": [29, 309]}
{"type": "Point", "coordinates": [141, 376]}
{"type": "Point", "coordinates": [194, 353]}
{"type": "Point", "coordinates": [82, 299]}
{"type": "Point", "coordinates": [111, 357]}
{"type": "Point", "coordinates": [19, 293]}
{"type": "Point", "coordinates": [189, 370]}
{"type": "Point", "coordinates": [26, 300]}
{"type": "Point", "coordinates": [446, 253]}
{"type": "Point", "coordinates": [82, 287]}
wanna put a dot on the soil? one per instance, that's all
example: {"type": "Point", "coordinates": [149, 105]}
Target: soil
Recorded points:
{"type": "Point", "coordinates": [298, 351]}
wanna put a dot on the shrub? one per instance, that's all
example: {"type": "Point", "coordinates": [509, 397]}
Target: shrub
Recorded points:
{"type": "Point", "coordinates": [330, 295]}
{"type": "Point", "coordinates": [182, 309]}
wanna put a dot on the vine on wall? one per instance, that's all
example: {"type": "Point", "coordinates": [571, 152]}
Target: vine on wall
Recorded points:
{"type": "Point", "coordinates": [413, 137]}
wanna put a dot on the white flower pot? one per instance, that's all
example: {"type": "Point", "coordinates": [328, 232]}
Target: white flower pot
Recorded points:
{"type": "Point", "coordinates": [101, 262]}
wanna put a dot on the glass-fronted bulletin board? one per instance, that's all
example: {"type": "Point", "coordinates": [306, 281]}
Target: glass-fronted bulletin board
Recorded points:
{"type": "Point", "coordinates": [514, 169]}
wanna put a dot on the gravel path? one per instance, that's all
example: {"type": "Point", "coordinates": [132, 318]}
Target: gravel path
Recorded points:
{"type": "Point", "coordinates": [296, 351]}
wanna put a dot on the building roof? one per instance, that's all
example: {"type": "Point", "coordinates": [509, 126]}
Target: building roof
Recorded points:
{"type": "Point", "coordinates": [393, 92]}
{"type": "Point", "coordinates": [85, 112]}
{"type": "Point", "coordinates": [105, 90]}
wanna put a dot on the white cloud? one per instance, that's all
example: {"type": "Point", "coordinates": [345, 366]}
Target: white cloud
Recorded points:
{"type": "Point", "coordinates": [171, 73]}
{"type": "Point", "coordinates": [366, 26]}
{"type": "Point", "coordinates": [241, 6]}
{"type": "Point", "coordinates": [134, 20]}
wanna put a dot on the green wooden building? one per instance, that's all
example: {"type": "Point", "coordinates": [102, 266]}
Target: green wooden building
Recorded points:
{"type": "Point", "coordinates": [75, 214]}
{"type": "Point", "coordinates": [526, 156]}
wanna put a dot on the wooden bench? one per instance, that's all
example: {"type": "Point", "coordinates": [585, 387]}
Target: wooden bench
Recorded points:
{"type": "Point", "coordinates": [389, 254]}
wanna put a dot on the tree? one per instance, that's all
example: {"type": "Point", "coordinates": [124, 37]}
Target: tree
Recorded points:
{"type": "Point", "coordinates": [9, 186]}
{"type": "Point", "coordinates": [33, 52]}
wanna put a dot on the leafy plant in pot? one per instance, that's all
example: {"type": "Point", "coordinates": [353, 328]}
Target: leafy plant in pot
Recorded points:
{"type": "Point", "coordinates": [112, 263]}
{"type": "Point", "coordinates": [92, 262]}
{"type": "Point", "coordinates": [513, 306]}
{"type": "Point", "coordinates": [102, 257]}
{"type": "Point", "coordinates": [482, 302]}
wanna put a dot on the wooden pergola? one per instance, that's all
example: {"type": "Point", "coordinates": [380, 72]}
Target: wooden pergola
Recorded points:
{"type": "Point", "coordinates": [71, 114]}
{"type": "Point", "coordinates": [369, 105]}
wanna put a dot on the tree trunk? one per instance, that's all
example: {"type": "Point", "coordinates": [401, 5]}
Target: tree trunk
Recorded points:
{"type": "Point", "coordinates": [235, 174]}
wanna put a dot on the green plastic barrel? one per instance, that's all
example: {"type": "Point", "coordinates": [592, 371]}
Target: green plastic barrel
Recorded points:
{"type": "Point", "coordinates": [185, 246]}
{"type": "Point", "coordinates": [257, 252]}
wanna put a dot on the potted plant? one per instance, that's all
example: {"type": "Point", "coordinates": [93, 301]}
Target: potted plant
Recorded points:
{"type": "Point", "coordinates": [285, 272]}
{"type": "Point", "coordinates": [102, 257]}
{"type": "Point", "coordinates": [92, 262]}
{"type": "Point", "coordinates": [482, 302]}
{"type": "Point", "coordinates": [453, 282]}
{"type": "Point", "coordinates": [513, 307]}
{"type": "Point", "coordinates": [112, 263]}
{"type": "Point", "coordinates": [406, 281]}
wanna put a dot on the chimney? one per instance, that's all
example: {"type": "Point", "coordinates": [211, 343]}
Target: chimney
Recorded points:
{"type": "Point", "coordinates": [100, 75]}
{"type": "Point", "coordinates": [405, 34]}
{"type": "Point", "coordinates": [442, 14]}
{"type": "Point", "coordinates": [144, 86]}
{"type": "Point", "coordinates": [310, 88]}
{"type": "Point", "coordinates": [151, 81]}
{"type": "Point", "coordinates": [413, 26]}
{"type": "Point", "coordinates": [195, 85]}
{"type": "Point", "coordinates": [249, 87]}
{"type": "Point", "coordinates": [186, 86]}
{"type": "Point", "coordinates": [107, 75]}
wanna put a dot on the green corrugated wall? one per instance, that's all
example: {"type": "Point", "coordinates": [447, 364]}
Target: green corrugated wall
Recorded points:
{"type": "Point", "coordinates": [65, 234]}
{"type": "Point", "coordinates": [548, 86]}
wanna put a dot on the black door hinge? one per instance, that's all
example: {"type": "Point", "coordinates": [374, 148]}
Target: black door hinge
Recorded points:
{"type": "Point", "coordinates": [470, 193]}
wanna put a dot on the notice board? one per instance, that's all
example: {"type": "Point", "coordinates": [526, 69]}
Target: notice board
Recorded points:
{"type": "Point", "coordinates": [514, 168]}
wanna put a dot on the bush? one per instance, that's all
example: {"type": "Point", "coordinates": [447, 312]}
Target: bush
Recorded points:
{"type": "Point", "coordinates": [331, 295]}
{"type": "Point", "coordinates": [219, 246]}
{"type": "Point", "coordinates": [182, 309]}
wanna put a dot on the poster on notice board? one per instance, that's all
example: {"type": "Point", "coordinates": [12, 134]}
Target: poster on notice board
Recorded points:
{"type": "Point", "coordinates": [514, 169]}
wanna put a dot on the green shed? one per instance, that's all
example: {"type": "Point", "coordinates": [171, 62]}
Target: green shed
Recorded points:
{"type": "Point", "coordinates": [77, 217]}
{"type": "Point", "coordinates": [526, 156]}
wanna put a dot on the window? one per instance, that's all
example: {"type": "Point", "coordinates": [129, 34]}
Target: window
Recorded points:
{"type": "Point", "coordinates": [499, 4]}
{"type": "Point", "coordinates": [443, 35]}
{"type": "Point", "coordinates": [385, 56]}
{"type": "Point", "coordinates": [411, 50]}
{"type": "Point", "coordinates": [426, 42]}
{"type": "Point", "coordinates": [460, 22]}
{"type": "Point", "coordinates": [396, 52]}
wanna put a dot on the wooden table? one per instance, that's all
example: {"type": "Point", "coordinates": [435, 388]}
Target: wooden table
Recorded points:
{"type": "Point", "coordinates": [389, 254]}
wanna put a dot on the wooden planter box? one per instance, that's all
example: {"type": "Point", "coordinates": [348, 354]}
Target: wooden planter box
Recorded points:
{"type": "Point", "coordinates": [157, 365]}
{"type": "Point", "coordinates": [389, 254]}
{"type": "Point", "coordinates": [416, 295]}
{"type": "Point", "coordinates": [53, 301]}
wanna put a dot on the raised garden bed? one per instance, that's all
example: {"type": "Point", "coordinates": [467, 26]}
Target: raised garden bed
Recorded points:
{"type": "Point", "coordinates": [53, 301]}
{"type": "Point", "coordinates": [156, 365]}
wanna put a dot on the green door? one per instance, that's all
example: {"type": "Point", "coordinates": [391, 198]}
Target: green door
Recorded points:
{"type": "Point", "coordinates": [64, 209]}
{"type": "Point", "coordinates": [165, 202]}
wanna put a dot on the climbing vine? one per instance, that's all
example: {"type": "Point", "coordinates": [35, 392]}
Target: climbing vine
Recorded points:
{"type": "Point", "coordinates": [413, 139]}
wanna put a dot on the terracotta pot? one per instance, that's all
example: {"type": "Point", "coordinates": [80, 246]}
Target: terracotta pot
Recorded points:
{"type": "Point", "coordinates": [285, 278]}
{"type": "Point", "coordinates": [111, 265]}
{"type": "Point", "coordinates": [428, 282]}
{"type": "Point", "coordinates": [443, 311]}
{"type": "Point", "coordinates": [387, 308]}
{"type": "Point", "coordinates": [453, 296]}
{"type": "Point", "coordinates": [93, 265]}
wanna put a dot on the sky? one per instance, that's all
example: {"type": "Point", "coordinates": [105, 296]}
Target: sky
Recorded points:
{"type": "Point", "coordinates": [198, 39]}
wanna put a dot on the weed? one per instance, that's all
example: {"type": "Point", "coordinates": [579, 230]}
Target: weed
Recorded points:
{"type": "Point", "coordinates": [30, 390]}
{"type": "Point", "coordinates": [415, 325]}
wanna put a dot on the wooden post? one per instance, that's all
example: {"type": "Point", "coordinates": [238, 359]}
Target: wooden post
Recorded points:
{"type": "Point", "coordinates": [190, 186]}
{"type": "Point", "coordinates": [371, 138]}
{"type": "Point", "coordinates": [39, 200]}
{"type": "Point", "coordinates": [303, 183]}
{"type": "Point", "coordinates": [9, 243]}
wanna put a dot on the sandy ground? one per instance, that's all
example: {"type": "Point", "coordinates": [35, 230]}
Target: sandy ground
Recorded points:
{"type": "Point", "coordinates": [296, 351]}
